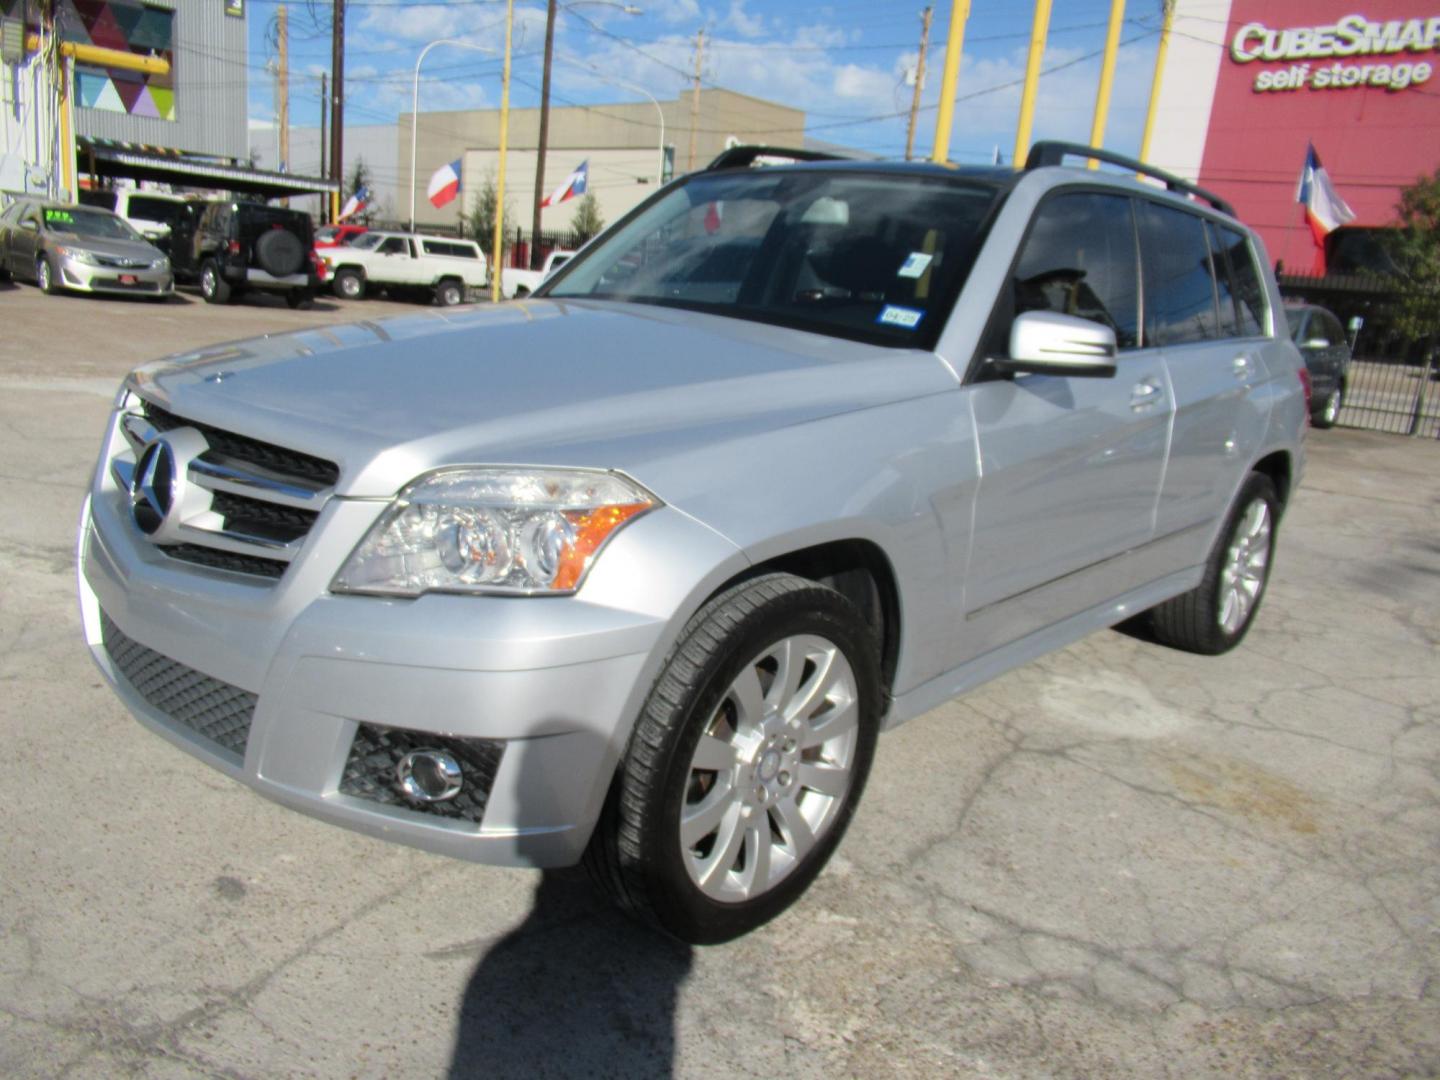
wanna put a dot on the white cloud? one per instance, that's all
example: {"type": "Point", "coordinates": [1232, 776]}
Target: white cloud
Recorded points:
{"type": "Point", "coordinates": [742, 22]}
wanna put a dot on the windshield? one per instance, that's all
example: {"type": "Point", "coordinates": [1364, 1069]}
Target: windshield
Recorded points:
{"type": "Point", "coordinates": [367, 240]}
{"type": "Point", "coordinates": [89, 223]}
{"type": "Point", "coordinates": [873, 257]}
{"type": "Point", "coordinates": [160, 211]}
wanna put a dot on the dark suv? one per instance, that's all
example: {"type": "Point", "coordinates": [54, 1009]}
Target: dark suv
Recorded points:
{"type": "Point", "coordinates": [229, 248]}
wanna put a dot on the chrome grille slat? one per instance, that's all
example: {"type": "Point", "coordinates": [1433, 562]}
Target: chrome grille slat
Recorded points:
{"type": "Point", "coordinates": [262, 484]}
{"type": "Point", "coordinates": [241, 543]}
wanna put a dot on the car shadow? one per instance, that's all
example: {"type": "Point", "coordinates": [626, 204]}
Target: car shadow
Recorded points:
{"type": "Point", "coordinates": [577, 989]}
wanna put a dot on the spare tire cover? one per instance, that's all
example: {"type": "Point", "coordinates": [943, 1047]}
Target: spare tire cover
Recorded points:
{"type": "Point", "coordinates": [279, 252]}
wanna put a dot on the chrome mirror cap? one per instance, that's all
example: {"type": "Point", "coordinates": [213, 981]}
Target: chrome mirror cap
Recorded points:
{"type": "Point", "coordinates": [1049, 343]}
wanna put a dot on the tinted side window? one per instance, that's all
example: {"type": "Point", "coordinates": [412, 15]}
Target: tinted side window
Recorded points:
{"type": "Point", "coordinates": [1224, 286]}
{"type": "Point", "coordinates": [1179, 288]}
{"type": "Point", "coordinates": [1333, 330]}
{"type": "Point", "coordinates": [1249, 292]}
{"type": "Point", "coordinates": [1079, 259]}
{"type": "Point", "coordinates": [394, 245]}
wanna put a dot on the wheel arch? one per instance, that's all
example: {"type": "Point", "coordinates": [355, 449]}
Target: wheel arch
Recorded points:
{"type": "Point", "coordinates": [857, 569]}
{"type": "Point", "coordinates": [1279, 468]}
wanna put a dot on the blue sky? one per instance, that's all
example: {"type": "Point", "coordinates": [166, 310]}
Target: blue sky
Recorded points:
{"type": "Point", "coordinates": [843, 62]}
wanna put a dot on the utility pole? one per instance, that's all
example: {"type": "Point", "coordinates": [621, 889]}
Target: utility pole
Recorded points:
{"type": "Point", "coordinates": [919, 83]}
{"type": "Point", "coordinates": [337, 106]}
{"type": "Point", "coordinates": [1159, 78]}
{"type": "Point", "coordinates": [544, 135]}
{"type": "Point", "coordinates": [324, 126]}
{"type": "Point", "coordinates": [497, 245]}
{"type": "Point", "coordinates": [695, 98]}
{"type": "Point", "coordinates": [284, 76]}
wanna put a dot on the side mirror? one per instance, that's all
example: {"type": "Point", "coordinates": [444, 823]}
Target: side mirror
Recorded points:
{"type": "Point", "coordinates": [29, 226]}
{"type": "Point", "coordinates": [1048, 343]}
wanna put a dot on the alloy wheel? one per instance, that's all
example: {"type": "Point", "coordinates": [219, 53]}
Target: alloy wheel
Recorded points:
{"type": "Point", "coordinates": [1243, 574]}
{"type": "Point", "coordinates": [772, 769]}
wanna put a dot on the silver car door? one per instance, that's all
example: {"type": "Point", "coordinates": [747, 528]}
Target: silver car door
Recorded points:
{"type": "Point", "coordinates": [1070, 467]}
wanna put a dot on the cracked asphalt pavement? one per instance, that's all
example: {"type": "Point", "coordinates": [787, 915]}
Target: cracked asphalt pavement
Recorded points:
{"type": "Point", "coordinates": [1117, 861]}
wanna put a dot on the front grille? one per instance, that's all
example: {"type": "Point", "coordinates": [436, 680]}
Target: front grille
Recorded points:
{"type": "Point", "coordinates": [255, 517]}
{"type": "Point", "coordinates": [216, 559]}
{"type": "Point", "coordinates": [213, 709]}
{"type": "Point", "coordinates": [116, 262]}
{"type": "Point", "coordinates": [242, 448]}
{"type": "Point", "coordinates": [263, 499]}
{"type": "Point", "coordinates": [376, 752]}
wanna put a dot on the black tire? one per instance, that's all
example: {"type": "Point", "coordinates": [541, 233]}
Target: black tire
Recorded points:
{"type": "Point", "coordinates": [349, 284]}
{"type": "Point", "coordinates": [213, 286]}
{"type": "Point", "coordinates": [1329, 411]}
{"type": "Point", "coordinates": [449, 293]}
{"type": "Point", "coordinates": [279, 252]}
{"type": "Point", "coordinates": [300, 298]}
{"type": "Point", "coordinates": [521, 292]}
{"type": "Point", "coordinates": [636, 854]}
{"type": "Point", "coordinates": [47, 277]}
{"type": "Point", "coordinates": [1192, 621]}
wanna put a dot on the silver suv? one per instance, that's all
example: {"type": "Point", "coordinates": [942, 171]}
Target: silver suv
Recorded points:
{"type": "Point", "coordinates": [635, 572]}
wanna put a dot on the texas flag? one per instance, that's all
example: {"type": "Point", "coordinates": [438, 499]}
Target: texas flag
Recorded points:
{"type": "Point", "coordinates": [355, 203]}
{"type": "Point", "coordinates": [1325, 210]}
{"type": "Point", "coordinates": [444, 185]}
{"type": "Point", "coordinates": [574, 185]}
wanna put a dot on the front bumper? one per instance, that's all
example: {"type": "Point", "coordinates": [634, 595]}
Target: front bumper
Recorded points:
{"type": "Point", "coordinates": [85, 277]}
{"type": "Point", "coordinates": [552, 683]}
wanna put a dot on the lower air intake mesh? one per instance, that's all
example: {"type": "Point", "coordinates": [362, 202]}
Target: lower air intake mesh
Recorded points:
{"type": "Point", "coordinates": [211, 708]}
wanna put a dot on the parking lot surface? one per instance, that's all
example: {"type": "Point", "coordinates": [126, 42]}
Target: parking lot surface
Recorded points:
{"type": "Point", "coordinates": [1117, 861]}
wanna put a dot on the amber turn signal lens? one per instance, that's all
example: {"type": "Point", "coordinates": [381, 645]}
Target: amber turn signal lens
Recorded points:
{"type": "Point", "coordinates": [591, 530]}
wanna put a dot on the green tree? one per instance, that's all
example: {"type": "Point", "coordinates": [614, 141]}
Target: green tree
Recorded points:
{"type": "Point", "coordinates": [360, 177]}
{"type": "Point", "coordinates": [480, 221]}
{"type": "Point", "coordinates": [587, 221]}
{"type": "Point", "coordinates": [1416, 249]}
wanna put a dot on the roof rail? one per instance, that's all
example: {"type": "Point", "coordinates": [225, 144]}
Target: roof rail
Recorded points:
{"type": "Point", "coordinates": [1054, 153]}
{"type": "Point", "coordinates": [742, 157]}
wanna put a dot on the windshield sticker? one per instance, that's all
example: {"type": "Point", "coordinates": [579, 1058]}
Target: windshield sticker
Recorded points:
{"type": "Point", "coordinates": [64, 217]}
{"type": "Point", "coordinates": [905, 317]}
{"type": "Point", "coordinates": [916, 264]}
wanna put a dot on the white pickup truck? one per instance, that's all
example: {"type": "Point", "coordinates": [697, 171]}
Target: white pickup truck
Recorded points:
{"type": "Point", "coordinates": [515, 283]}
{"type": "Point", "coordinates": [404, 264]}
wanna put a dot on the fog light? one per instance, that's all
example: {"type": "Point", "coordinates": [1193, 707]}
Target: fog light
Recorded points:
{"type": "Point", "coordinates": [429, 776]}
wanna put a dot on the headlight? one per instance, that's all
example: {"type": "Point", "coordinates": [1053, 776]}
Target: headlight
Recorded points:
{"type": "Point", "coordinates": [160, 264]}
{"type": "Point", "coordinates": [493, 530]}
{"type": "Point", "coordinates": [80, 255]}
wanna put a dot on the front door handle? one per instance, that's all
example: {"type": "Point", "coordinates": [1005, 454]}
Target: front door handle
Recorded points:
{"type": "Point", "coordinates": [1241, 366]}
{"type": "Point", "coordinates": [1146, 393]}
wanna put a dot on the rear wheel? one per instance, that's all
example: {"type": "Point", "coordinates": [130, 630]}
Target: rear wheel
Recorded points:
{"type": "Point", "coordinates": [213, 287]}
{"type": "Point", "coordinates": [1330, 412]}
{"type": "Point", "coordinates": [450, 293]}
{"type": "Point", "coordinates": [349, 285]}
{"type": "Point", "coordinates": [300, 298]}
{"type": "Point", "coordinates": [1213, 617]}
{"type": "Point", "coordinates": [747, 763]}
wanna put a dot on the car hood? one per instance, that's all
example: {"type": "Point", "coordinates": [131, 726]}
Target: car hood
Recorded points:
{"type": "Point", "coordinates": [542, 382]}
{"type": "Point", "coordinates": [123, 249]}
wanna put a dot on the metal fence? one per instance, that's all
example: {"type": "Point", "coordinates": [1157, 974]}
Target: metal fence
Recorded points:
{"type": "Point", "coordinates": [1392, 384]}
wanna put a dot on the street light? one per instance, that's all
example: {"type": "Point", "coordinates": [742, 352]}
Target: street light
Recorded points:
{"type": "Point", "coordinates": [415, 104]}
{"type": "Point", "coordinates": [551, 5]}
{"type": "Point", "coordinates": [659, 112]}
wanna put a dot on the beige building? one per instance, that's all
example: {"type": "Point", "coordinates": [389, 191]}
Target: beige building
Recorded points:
{"type": "Point", "coordinates": [622, 143]}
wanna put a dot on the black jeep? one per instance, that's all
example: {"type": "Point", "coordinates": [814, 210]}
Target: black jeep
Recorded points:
{"type": "Point", "coordinates": [229, 248]}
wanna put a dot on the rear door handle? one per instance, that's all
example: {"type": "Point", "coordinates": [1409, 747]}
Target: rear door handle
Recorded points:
{"type": "Point", "coordinates": [1241, 367]}
{"type": "Point", "coordinates": [1146, 393]}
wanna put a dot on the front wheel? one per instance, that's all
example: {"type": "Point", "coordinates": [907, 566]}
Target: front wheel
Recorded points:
{"type": "Point", "coordinates": [213, 287]}
{"type": "Point", "coordinates": [349, 285]}
{"type": "Point", "coordinates": [747, 763]}
{"type": "Point", "coordinates": [45, 276]}
{"type": "Point", "coordinates": [1214, 616]}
